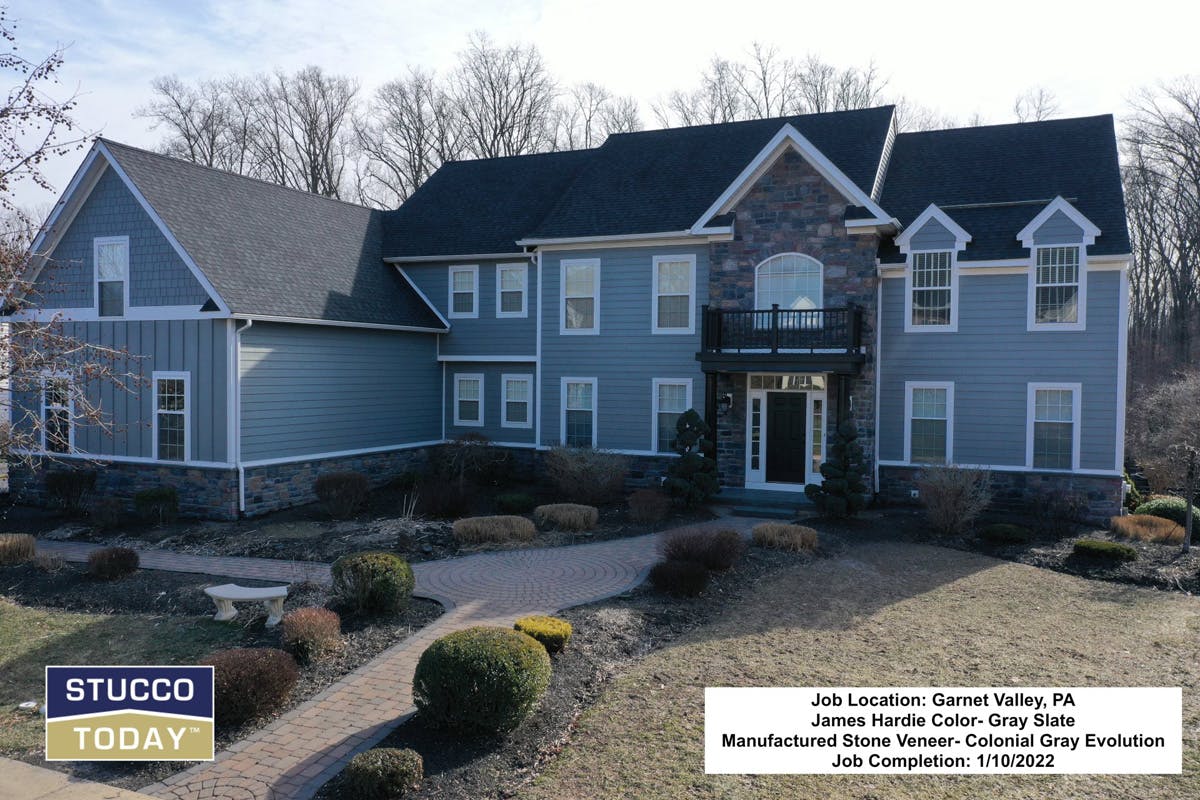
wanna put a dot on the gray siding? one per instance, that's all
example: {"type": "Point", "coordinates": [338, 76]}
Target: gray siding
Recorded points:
{"type": "Point", "coordinates": [991, 359]}
{"type": "Point", "coordinates": [492, 399]}
{"type": "Point", "coordinates": [625, 357]}
{"type": "Point", "coordinates": [487, 335]}
{"type": "Point", "coordinates": [310, 389]}
{"type": "Point", "coordinates": [1059, 229]}
{"type": "Point", "coordinates": [932, 236]}
{"type": "Point", "coordinates": [157, 275]}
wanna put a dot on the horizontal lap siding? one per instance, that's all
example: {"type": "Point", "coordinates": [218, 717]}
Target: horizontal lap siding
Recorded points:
{"type": "Point", "coordinates": [492, 400]}
{"type": "Point", "coordinates": [487, 335]}
{"type": "Point", "coordinates": [991, 359]}
{"type": "Point", "coordinates": [310, 389]}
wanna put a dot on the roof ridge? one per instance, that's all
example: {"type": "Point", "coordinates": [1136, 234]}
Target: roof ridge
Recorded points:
{"type": "Point", "coordinates": [1032, 124]}
{"type": "Point", "coordinates": [784, 119]}
{"type": "Point", "coordinates": [521, 155]}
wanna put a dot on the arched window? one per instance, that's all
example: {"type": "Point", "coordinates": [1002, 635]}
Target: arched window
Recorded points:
{"type": "Point", "coordinates": [791, 280]}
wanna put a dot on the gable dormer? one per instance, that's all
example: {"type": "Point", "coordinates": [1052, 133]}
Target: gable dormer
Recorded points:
{"type": "Point", "coordinates": [1057, 240]}
{"type": "Point", "coordinates": [931, 245]}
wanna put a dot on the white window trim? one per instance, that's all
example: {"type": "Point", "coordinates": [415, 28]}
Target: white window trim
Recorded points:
{"type": "Point", "coordinates": [96, 243]}
{"type": "Point", "coordinates": [524, 312]}
{"type": "Point", "coordinates": [654, 384]}
{"type": "Point", "coordinates": [1080, 324]}
{"type": "Point", "coordinates": [909, 327]}
{"type": "Point", "coordinates": [909, 386]}
{"type": "Point", "coordinates": [473, 269]}
{"type": "Point", "coordinates": [562, 405]}
{"type": "Point", "coordinates": [46, 376]}
{"type": "Point", "coordinates": [820, 283]}
{"type": "Point", "coordinates": [562, 297]}
{"type": "Point", "coordinates": [186, 377]}
{"type": "Point", "coordinates": [458, 378]}
{"type": "Point", "coordinates": [504, 420]}
{"type": "Point", "coordinates": [691, 295]}
{"type": "Point", "coordinates": [1076, 422]}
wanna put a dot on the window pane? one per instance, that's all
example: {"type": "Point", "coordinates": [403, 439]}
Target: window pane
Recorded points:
{"type": "Point", "coordinates": [579, 396]}
{"type": "Point", "coordinates": [517, 411]}
{"type": "Point", "coordinates": [1057, 304]}
{"type": "Point", "coordinates": [170, 437]}
{"type": "Point", "coordinates": [58, 430]}
{"type": "Point", "coordinates": [112, 298]}
{"type": "Point", "coordinates": [57, 392]}
{"type": "Point", "coordinates": [667, 421]}
{"type": "Point", "coordinates": [512, 279]}
{"type": "Point", "coordinates": [674, 277]}
{"type": "Point", "coordinates": [580, 279]}
{"type": "Point", "coordinates": [579, 428]}
{"type": "Point", "coordinates": [672, 397]}
{"type": "Point", "coordinates": [789, 281]}
{"type": "Point", "coordinates": [468, 389]}
{"type": "Point", "coordinates": [171, 394]}
{"type": "Point", "coordinates": [468, 410]}
{"type": "Point", "coordinates": [511, 302]}
{"type": "Point", "coordinates": [463, 303]}
{"type": "Point", "coordinates": [929, 441]}
{"type": "Point", "coordinates": [516, 390]}
{"type": "Point", "coordinates": [112, 262]}
{"type": "Point", "coordinates": [1053, 445]}
{"type": "Point", "coordinates": [581, 313]}
{"type": "Point", "coordinates": [928, 403]}
{"type": "Point", "coordinates": [1054, 405]}
{"type": "Point", "coordinates": [1057, 295]}
{"type": "Point", "coordinates": [464, 281]}
{"type": "Point", "coordinates": [673, 311]}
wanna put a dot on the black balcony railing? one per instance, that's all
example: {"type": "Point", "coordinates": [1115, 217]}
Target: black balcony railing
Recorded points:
{"type": "Point", "coordinates": [782, 330]}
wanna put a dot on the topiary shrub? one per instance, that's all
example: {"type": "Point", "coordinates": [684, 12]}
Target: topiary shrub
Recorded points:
{"type": "Point", "coordinates": [648, 506]}
{"type": "Point", "coordinates": [159, 505]}
{"type": "Point", "coordinates": [342, 493]}
{"type": "Point", "coordinates": [16, 548]}
{"type": "Point", "coordinates": [583, 475]}
{"type": "Point", "coordinates": [310, 633]}
{"type": "Point", "coordinates": [682, 578]}
{"type": "Point", "coordinates": [718, 550]}
{"type": "Point", "coordinates": [480, 680]}
{"type": "Point", "coordinates": [566, 517]}
{"type": "Point", "coordinates": [444, 499]}
{"type": "Point", "coordinates": [552, 632]}
{"type": "Point", "coordinates": [473, 530]}
{"type": "Point", "coordinates": [70, 489]}
{"type": "Point", "coordinates": [1005, 533]}
{"type": "Point", "coordinates": [1104, 551]}
{"type": "Point", "coordinates": [108, 513]}
{"type": "Point", "coordinates": [383, 773]}
{"type": "Point", "coordinates": [250, 682]}
{"type": "Point", "coordinates": [782, 536]}
{"type": "Point", "coordinates": [375, 582]}
{"type": "Point", "coordinates": [515, 503]}
{"type": "Point", "coordinates": [1147, 528]}
{"type": "Point", "coordinates": [692, 478]}
{"type": "Point", "coordinates": [1172, 508]}
{"type": "Point", "coordinates": [111, 563]}
{"type": "Point", "coordinates": [843, 492]}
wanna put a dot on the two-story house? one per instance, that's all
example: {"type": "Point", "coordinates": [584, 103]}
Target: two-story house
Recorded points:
{"type": "Point", "coordinates": [960, 296]}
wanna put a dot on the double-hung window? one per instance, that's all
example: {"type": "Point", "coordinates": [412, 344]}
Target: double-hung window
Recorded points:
{"type": "Point", "coordinates": [580, 296]}
{"type": "Point", "coordinates": [672, 397]}
{"type": "Point", "coordinates": [171, 416]}
{"type": "Point", "coordinates": [464, 292]}
{"type": "Point", "coordinates": [58, 434]}
{"type": "Point", "coordinates": [1057, 287]}
{"type": "Point", "coordinates": [468, 400]}
{"type": "Point", "coordinates": [1054, 426]}
{"type": "Point", "coordinates": [111, 256]}
{"type": "Point", "coordinates": [929, 423]}
{"type": "Point", "coordinates": [512, 290]}
{"type": "Point", "coordinates": [579, 412]}
{"type": "Point", "coordinates": [674, 294]}
{"type": "Point", "coordinates": [931, 291]}
{"type": "Point", "coordinates": [518, 393]}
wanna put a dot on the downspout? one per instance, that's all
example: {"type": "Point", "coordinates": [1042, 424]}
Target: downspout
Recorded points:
{"type": "Point", "coordinates": [537, 364]}
{"type": "Point", "coordinates": [237, 420]}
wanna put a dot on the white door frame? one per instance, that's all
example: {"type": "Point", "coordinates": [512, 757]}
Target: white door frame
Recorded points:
{"type": "Point", "coordinates": [757, 478]}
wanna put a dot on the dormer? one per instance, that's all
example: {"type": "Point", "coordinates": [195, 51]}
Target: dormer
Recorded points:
{"type": "Point", "coordinates": [931, 245]}
{"type": "Point", "coordinates": [1057, 239]}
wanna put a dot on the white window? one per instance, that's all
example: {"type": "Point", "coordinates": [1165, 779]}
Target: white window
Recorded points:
{"type": "Point", "coordinates": [171, 416]}
{"type": "Point", "coordinates": [1053, 426]}
{"type": "Point", "coordinates": [518, 394]}
{"type": "Point", "coordinates": [929, 423]}
{"type": "Point", "coordinates": [111, 257]}
{"type": "Point", "coordinates": [468, 400]}
{"type": "Point", "coordinates": [1057, 288]}
{"type": "Point", "coordinates": [512, 289]}
{"type": "Point", "coordinates": [932, 289]}
{"type": "Point", "coordinates": [579, 412]}
{"type": "Point", "coordinates": [674, 294]}
{"type": "Point", "coordinates": [672, 397]}
{"type": "Point", "coordinates": [464, 292]}
{"type": "Point", "coordinates": [58, 414]}
{"type": "Point", "coordinates": [790, 280]}
{"type": "Point", "coordinates": [580, 280]}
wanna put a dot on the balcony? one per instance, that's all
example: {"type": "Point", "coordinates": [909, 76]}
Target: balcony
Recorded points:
{"type": "Point", "coordinates": [808, 340]}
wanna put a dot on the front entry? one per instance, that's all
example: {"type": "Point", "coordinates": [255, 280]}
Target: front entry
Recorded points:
{"type": "Point", "coordinates": [787, 423]}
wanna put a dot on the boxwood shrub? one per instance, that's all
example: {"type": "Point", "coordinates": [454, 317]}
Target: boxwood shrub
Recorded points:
{"type": "Point", "coordinates": [1172, 508]}
{"type": "Point", "coordinates": [552, 632]}
{"type": "Point", "coordinates": [383, 773]}
{"type": "Point", "coordinates": [1104, 551]}
{"type": "Point", "coordinates": [374, 581]}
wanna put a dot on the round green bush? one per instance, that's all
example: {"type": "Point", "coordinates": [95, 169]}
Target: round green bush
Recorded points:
{"type": "Point", "coordinates": [1005, 533]}
{"type": "Point", "coordinates": [1172, 508]}
{"type": "Point", "coordinates": [1104, 551]}
{"type": "Point", "coordinates": [552, 632]}
{"type": "Point", "coordinates": [480, 680]}
{"type": "Point", "coordinates": [383, 773]}
{"type": "Point", "coordinates": [373, 581]}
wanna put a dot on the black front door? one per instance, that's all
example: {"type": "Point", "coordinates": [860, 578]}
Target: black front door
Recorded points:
{"type": "Point", "coordinates": [786, 428]}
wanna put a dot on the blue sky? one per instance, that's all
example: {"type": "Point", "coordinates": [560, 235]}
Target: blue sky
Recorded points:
{"type": "Point", "coordinates": [961, 58]}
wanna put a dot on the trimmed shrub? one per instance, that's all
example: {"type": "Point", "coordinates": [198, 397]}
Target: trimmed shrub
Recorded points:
{"type": "Point", "coordinates": [112, 563]}
{"type": "Point", "coordinates": [583, 475]}
{"type": "Point", "coordinates": [342, 493]}
{"type": "Point", "coordinates": [1147, 528]}
{"type": "Point", "coordinates": [682, 578]}
{"type": "Point", "coordinates": [250, 682]}
{"type": "Point", "coordinates": [1055, 514]}
{"type": "Point", "coordinates": [649, 507]}
{"type": "Point", "coordinates": [553, 633]}
{"type": "Point", "coordinates": [692, 478]}
{"type": "Point", "coordinates": [474, 530]}
{"type": "Point", "coordinates": [1005, 533]}
{"type": "Point", "coordinates": [444, 499]}
{"type": "Point", "coordinates": [566, 517]}
{"type": "Point", "coordinates": [1104, 551]}
{"type": "Point", "coordinates": [49, 562]}
{"type": "Point", "coordinates": [16, 548]}
{"type": "Point", "coordinates": [70, 489]}
{"type": "Point", "coordinates": [480, 680]}
{"type": "Point", "coordinates": [1172, 508]}
{"type": "Point", "coordinates": [782, 536]}
{"type": "Point", "coordinates": [1133, 498]}
{"type": "Point", "coordinates": [108, 513]}
{"type": "Point", "coordinates": [159, 505]}
{"type": "Point", "coordinates": [515, 503]}
{"type": "Point", "coordinates": [842, 492]}
{"type": "Point", "coordinates": [954, 497]}
{"type": "Point", "coordinates": [718, 550]}
{"type": "Point", "coordinates": [383, 773]}
{"type": "Point", "coordinates": [309, 633]}
{"type": "Point", "coordinates": [375, 581]}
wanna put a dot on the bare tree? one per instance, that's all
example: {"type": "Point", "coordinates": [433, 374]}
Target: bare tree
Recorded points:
{"type": "Point", "coordinates": [1164, 435]}
{"type": "Point", "coordinates": [1035, 105]}
{"type": "Point", "coordinates": [912, 116]}
{"type": "Point", "coordinates": [589, 113]}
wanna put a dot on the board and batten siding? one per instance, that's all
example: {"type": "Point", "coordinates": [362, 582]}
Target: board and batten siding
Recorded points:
{"type": "Point", "coordinates": [310, 389]}
{"type": "Point", "coordinates": [157, 275]}
{"type": "Point", "coordinates": [992, 358]}
{"type": "Point", "coordinates": [625, 357]}
{"type": "Point", "coordinates": [493, 398]}
{"type": "Point", "coordinates": [485, 335]}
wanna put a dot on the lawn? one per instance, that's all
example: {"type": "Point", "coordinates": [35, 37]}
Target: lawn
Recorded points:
{"type": "Point", "coordinates": [885, 614]}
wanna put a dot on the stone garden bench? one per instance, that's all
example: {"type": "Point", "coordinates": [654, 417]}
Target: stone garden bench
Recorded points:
{"type": "Point", "coordinates": [227, 594]}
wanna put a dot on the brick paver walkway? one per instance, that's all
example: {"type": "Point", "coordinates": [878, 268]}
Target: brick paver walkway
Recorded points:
{"type": "Point", "coordinates": [294, 755]}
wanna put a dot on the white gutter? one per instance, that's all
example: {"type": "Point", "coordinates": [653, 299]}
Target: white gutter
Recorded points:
{"type": "Point", "coordinates": [451, 257]}
{"type": "Point", "coordinates": [237, 435]}
{"type": "Point", "coordinates": [337, 323]}
{"type": "Point", "coordinates": [621, 237]}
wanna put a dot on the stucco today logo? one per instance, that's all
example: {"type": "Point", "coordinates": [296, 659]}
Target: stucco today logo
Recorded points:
{"type": "Point", "coordinates": [129, 713]}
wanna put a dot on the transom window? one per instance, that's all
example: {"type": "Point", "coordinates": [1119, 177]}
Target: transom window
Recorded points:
{"type": "Point", "coordinates": [112, 275]}
{"type": "Point", "coordinates": [931, 410]}
{"type": "Point", "coordinates": [512, 290]}
{"type": "Point", "coordinates": [932, 289]}
{"type": "Point", "coordinates": [581, 296]}
{"type": "Point", "coordinates": [579, 412]}
{"type": "Point", "coordinates": [674, 293]}
{"type": "Point", "coordinates": [517, 393]}
{"type": "Point", "coordinates": [57, 414]}
{"type": "Point", "coordinates": [1056, 290]}
{"type": "Point", "coordinates": [464, 292]}
{"type": "Point", "coordinates": [170, 416]}
{"type": "Point", "coordinates": [468, 400]}
{"type": "Point", "coordinates": [1053, 438]}
{"type": "Point", "coordinates": [672, 397]}
{"type": "Point", "coordinates": [790, 280]}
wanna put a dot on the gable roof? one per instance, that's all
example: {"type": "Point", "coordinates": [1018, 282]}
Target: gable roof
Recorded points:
{"type": "Point", "coordinates": [272, 251]}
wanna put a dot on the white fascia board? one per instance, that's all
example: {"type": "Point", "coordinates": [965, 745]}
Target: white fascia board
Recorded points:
{"type": "Point", "coordinates": [334, 323]}
{"type": "Point", "coordinates": [932, 212]}
{"type": "Point", "coordinates": [424, 298]}
{"type": "Point", "coordinates": [1090, 231]}
{"type": "Point", "coordinates": [619, 237]}
{"type": "Point", "coordinates": [84, 180]}
{"type": "Point", "coordinates": [455, 258]}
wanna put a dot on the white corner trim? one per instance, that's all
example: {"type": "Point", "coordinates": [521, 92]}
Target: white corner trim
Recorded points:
{"type": "Point", "coordinates": [500, 270]}
{"type": "Point", "coordinates": [473, 271]}
{"type": "Point", "coordinates": [1122, 368]}
{"type": "Point", "coordinates": [527, 379]}
{"type": "Point", "coordinates": [690, 328]}
{"type": "Point", "coordinates": [932, 212]}
{"type": "Point", "coordinates": [909, 386]}
{"type": "Point", "coordinates": [432, 307]}
{"type": "Point", "coordinates": [186, 377]}
{"type": "Point", "coordinates": [562, 403]}
{"type": "Point", "coordinates": [594, 263]}
{"type": "Point", "coordinates": [654, 409]}
{"type": "Point", "coordinates": [1076, 390]}
{"type": "Point", "coordinates": [459, 422]}
{"type": "Point", "coordinates": [1090, 231]}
